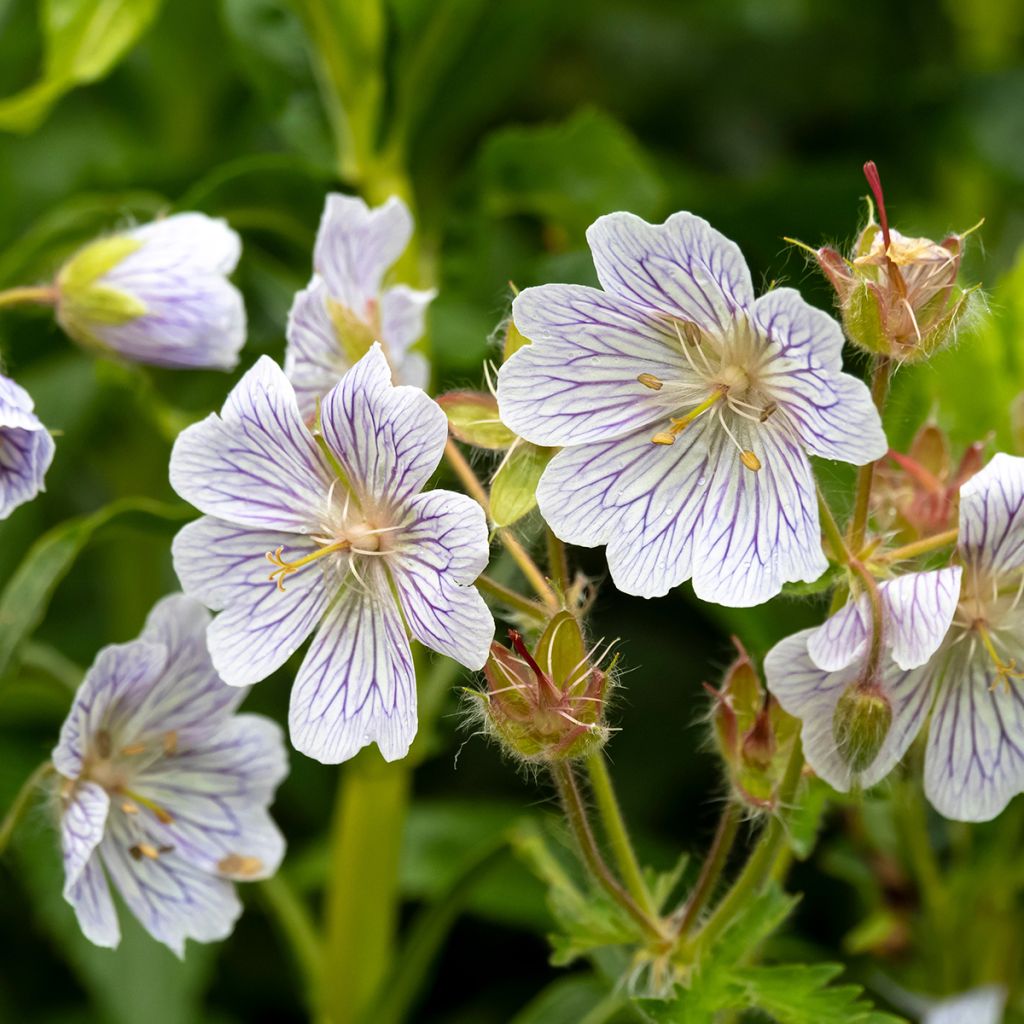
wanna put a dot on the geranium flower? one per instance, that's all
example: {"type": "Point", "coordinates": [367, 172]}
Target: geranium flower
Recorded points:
{"type": "Point", "coordinates": [353, 547]}
{"type": "Point", "coordinates": [158, 294]}
{"type": "Point", "coordinates": [686, 411]}
{"type": "Point", "coordinates": [334, 321]}
{"type": "Point", "coordinates": [164, 789]}
{"type": "Point", "coordinates": [969, 682]}
{"type": "Point", "coordinates": [26, 448]}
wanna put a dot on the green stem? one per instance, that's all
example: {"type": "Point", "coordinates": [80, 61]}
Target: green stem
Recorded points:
{"type": "Point", "coordinates": [832, 531]}
{"type": "Point", "coordinates": [616, 832]}
{"type": "Point", "coordinates": [576, 814]}
{"type": "Point", "coordinates": [45, 295]}
{"type": "Point", "coordinates": [919, 547]}
{"type": "Point", "coordinates": [866, 474]}
{"type": "Point", "coordinates": [512, 599]}
{"type": "Point", "coordinates": [558, 562]}
{"type": "Point", "coordinates": [21, 802]}
{"type": "Point", "coordinates": [296, 923]}
{"type": "Point", "coordinates": [758, 869]}
{"type": "Point", "coordinates": [713, 866]}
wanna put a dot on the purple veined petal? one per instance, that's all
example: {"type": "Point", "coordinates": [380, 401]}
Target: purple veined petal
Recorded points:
{"type": "Point", "coordinates": [684, 268]}
{"type": "Point", "coordinates": [357, 684]}
{"type": "Point", "coordinates": [81, 829]}
{"type": "Point", "coordinates": [983, 1005]}
{"type": "Point", "coordinates": [216, 794]}
{"type": "Point", "coordinates": [577, 382]}
{"type": "Point", "coordinates": [811, 694]}
{"type": "Point", "coordinates": [26, 448]}
{"type": "Point", "coordinates": [388, 439]}
{"type": "Point", "coordinates": [641, 499]}
{"type": "Point", "coordinates": [992, 516]}
{"type": "Point", "coordinates": [94, 907]}
{"type": "Point", "coordinates": [403, 313]}
{"type": "Point", "coordinates": [843, 637]}
{"type": "Point", "coordinates": [260, 626]}
{"type": "Point", "coordinates": [758, 530]}
{"type": "Point", "coordinates": [313, 361]}
{"type": "Point", "coordinates": [114, 687]}
{"type": "Point", "coordinates": [974, 762]}
{"type": "Point", "coordinates": [256, 464]}
{"type": "Point", "coordinates": [831, 412]}
{"type": "Point", "coordinates": [355, 245]}
{"type": "Point", "coordinates": [172, 899]}
{"type": "Point", "coordinates": [434, 562]}
{"type": "Point", "coordinates": [184, 239]}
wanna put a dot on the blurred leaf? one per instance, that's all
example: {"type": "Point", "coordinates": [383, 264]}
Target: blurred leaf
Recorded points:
{"type": "Point", "coordinates": [569, 174]}
{"type": "Point", "coordinates": [807, 817]}
{"type": "Point", "coordinates": [581, 998]}
{"type": "Point", "coordinates": [25, 598]}
{"type": "Point", "coordinates": [83, 40]}
{"type": "Point", "coordinates": [514, 487]}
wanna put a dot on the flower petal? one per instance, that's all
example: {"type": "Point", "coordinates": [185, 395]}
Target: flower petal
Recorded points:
{"type": "Point", "coordinates": [388, 439]}
{"type": "Point", "coordinates": [357, 684]}
{"type": "Point", "coordinates": [577, 382]}
{"type": "Point", "coordinates": [992, 516]}
{"type": "Point", "coordinates": [758, 530]}
{"type": "Point", "coordinates": [225, 567]}
{"type": "Point", "coordinates": [94, 907]}
{"type": "Point", "coordinates": [434, 562]}
{"type": "Point", "coordinates": [81, 829]}
{"type": "Point", "coordinates": [811, 694]}
{"type": "Point", "coordinates": [183, 239]}
{"type": "Point", "coordinates": [641, 499]}
{"type": "Point", "coordinates": [256, 464]}
{"type": "Point", "coordinates": [684, 267]}
{"type": "Point", "coordinates": [974, 763]}
{"type": "Point", "coordinates": [355, 245]}
{"type": "Point", "coordinates": [831, 412]}
{"type": "Point", "coordinates": [26, 448]}
{"type": "Point", "coordinates": [403, 312]}
{"type": "Point", "coordinates": [313, 361]}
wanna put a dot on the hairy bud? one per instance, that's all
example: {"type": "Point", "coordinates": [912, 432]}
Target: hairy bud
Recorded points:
{"type": "Point", "coordinates": [861, 723]}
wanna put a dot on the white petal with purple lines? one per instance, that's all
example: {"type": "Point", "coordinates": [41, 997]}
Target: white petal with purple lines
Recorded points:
{"type": "Point", "coordinates": [403, 313]}
{"type": "Point", "coordinates": [313, 361]}
{"type": "Point", "coordinates": [81, 828]}
{"type": "Point", "coordinates": [992, 516]}
{"type": "Point", "coordinates": [26, 448]}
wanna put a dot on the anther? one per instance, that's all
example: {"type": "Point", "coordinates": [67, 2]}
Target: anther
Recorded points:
{"type": "Point", "coordinates": [680, 424]}
{"type": "Point", "coordinates": [140, 850]}
{"type": "Point", "coordinates": [664, 437]}
{"type": "Point", "coordinates": [750, 460]}
{"type": "Point", "coordinates": [650, 381]}
{"type": "Point", "coordinates": [133, 749]}
{"type": "Point", "coordinates": [767, 411]}
{"type": "Point", "coordinates": [129, 808]}
{"type": "Point", "coordinates": [104, 746]}
{"type": "Point", "coordinates": [170, 742]}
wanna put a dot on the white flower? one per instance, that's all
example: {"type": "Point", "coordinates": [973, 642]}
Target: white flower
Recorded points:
{"type": "Point", "coordinates": [26, 448]}
{"type": "Point", "coordinates": [346, 308]}
{"type": "Point", "coordinates": [686, 410]}
{"type": "Point", "coordinates": [165, 789]}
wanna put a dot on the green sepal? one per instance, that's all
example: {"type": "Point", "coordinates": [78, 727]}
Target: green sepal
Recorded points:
{"type": "Point", "coordinates": [473, 418]}
{"type": "Point", "coordinates": [862, 318]}
{"type": "Point", "coordinates": [514, 487]}
{"type": "Point", "coordinates": [93, 261]}
{"type": "Point", "coordinates": [514, 341]}
{"type": "Point", "coordinates": [355, 336]}
{"type": "Point", "coordinates": [560, 651]}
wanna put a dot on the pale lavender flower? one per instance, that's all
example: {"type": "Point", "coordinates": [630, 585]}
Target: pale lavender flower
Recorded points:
{"type": "Point", "coordinates": [357, 554]}
{"type": "Point", "coordinates": [165, 789]}
{"type": "Point", "coordinates": [686, 410]}
{"type": "Point", "coordinates": [158, 294]}
{"type": "Point", "coordinates": [965, 671]}
{"type": "Point", "coordinates": [811, 672]}
{"type": "Point", "coordinates": [26, 448]}
{"type": "Point", "coordinates": [984, 1005]}
{"type": "Point", "coordinates": [346, 307]}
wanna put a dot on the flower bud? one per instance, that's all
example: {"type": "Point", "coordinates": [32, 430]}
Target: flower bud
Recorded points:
{"type": "Point", "coordinates": [548, 705]}
{"type": "Point", "coordinates": [473, 418]}
{"type": "Point", "coordinates": [861, 722]}
{"type": "Point", "coordinates": [898, 295]}
{"type": "Point", "coordinates": [158, 294]}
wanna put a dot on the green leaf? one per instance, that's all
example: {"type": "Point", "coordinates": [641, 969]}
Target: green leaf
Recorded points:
{"type": "Point", "coordinates": [26, 596]}
{"type": "Point", "coordinates": [582, 999]}
{"type": "Point", "coordinates": [473, 418]}
{"type": "Point", "coordinates": [82, 40]}
{"type": "Point", "coordinates": [514, 487]}
{"type": "Point", "coordinates": [569, 174]}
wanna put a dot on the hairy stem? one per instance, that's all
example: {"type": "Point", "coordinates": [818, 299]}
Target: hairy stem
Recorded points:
{"type": "Point", "coordinates": [512, 599]}
{"type": "Point", "coordinates": [44, 295]}
{"type": "Point", "coordinates": [712, 868]}
{"type": "Point", "coordinates": [831, 530]}
{"type": "Point", "coordinates": [21, 803]}
{"type": "Point", "coordinates": [919, 547]}
{"type": "Point", "coordinates": [558, 561]}
{"type": "Point", "coordinates": [616, 832]}
{"type": "Point", "coordinates": [866, 474]}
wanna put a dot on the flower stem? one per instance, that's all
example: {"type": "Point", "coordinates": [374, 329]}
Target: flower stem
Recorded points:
{"type": "Point", "coordinates": [558, 561]}
{"type": "Point", "coordinates": [758, 869]}
{"type": "Point", "coordinates": [527, 566]}
{"type": "Point", "coordinates": [293, 918]}
{"type": "Point", "coordinates": [576, 813]}
{"type": "Point", "coordinates": [711, 870]}
{"type": "Point", "coordinates": [866, 474]}
{"type": "Point", "coordinates": [21, 802]}
{"type": "Point", "coordinates": [44, 295]}
{"type": "Point", "coordinates": [831, 530]}
{"type": "Point", "coordinates": [616, 832]}
{"type": "Point", "coordinates": [919, 547]}
{"type": "Point", "coordinates": [512, 598]}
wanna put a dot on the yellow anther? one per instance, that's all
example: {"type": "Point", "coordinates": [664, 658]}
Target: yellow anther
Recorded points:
{"type": "Point", "coordinates": [750, 460]}
{"type": "Point", "coordinates": [663, 438]}
{"type": "Point", "coordinates": [286, 568]}
{"type": "Point", "coordinates": [240, 865]}
{"type": "Point", "coordinates": [767, 411]}
{"type": "Point", "coordinates": [170, 742]}
{"type": "Point", "coordinates": [132, 749]}
{"type": "Point", "coordinates": [650, 381]}
{"type": "Point", "coordinates": [129, 808]}
{"type": "Point", "coordinates": [140, 850]}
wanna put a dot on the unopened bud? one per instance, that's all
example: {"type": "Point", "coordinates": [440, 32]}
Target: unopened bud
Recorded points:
{"type": "Point", "coordinates": [861, 723]}
{"type": "Point", "coordinates": [759, 745]}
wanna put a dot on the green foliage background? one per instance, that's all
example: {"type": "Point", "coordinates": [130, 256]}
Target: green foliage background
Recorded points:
{"type": "Point", "coordinates": [522, 121]}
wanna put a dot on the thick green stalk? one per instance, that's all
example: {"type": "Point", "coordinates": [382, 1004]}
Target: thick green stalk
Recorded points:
{"type": "Point", "coordinates": [866, 474]}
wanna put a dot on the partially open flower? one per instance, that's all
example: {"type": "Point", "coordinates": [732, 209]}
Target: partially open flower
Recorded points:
{"type": "Point", "coordinates": [548, 705]}
{"type": "Point", "coordinates": [898, 295]}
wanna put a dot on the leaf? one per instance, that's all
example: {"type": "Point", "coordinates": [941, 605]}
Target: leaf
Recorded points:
{"type": "Point", "coordinates": [514, 487]}
{"type": "Point", "coordinates": [26, 596]}
{"type": "Point", "coordinates": [82, 40]}
{"type": "Point", "coordinates": [582, 999]}
{"type": "Point", "coordinates": [569, 174]}
{"type": "Point", "coordinates": [473, 418]}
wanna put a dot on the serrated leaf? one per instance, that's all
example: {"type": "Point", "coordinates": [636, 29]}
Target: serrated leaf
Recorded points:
{"type": "Point", "coordinates": [514, 487]}
{"type": "Point", "coordinates": [474, 419]}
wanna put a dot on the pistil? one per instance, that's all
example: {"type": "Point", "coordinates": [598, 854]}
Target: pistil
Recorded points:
{"type": "Point", "coordinates": [286, 568]}
{"type": "Point", "coordinates": [679, 425]}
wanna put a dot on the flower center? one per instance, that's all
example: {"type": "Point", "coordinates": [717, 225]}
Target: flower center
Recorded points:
{"type": "Point", "coordinates": [115, 770]}
{"type": "Point", "coordinates": [987, 613]}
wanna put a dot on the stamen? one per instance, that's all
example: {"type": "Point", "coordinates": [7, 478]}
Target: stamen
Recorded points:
{"type": "Point", "coordinates": [747, 457]}
{"type": "Point", "coordinates": [170, 742]}
{"type": "Point", "coordinates": [104, 745]}
{"type": "Point", "coordinates": [161, 815]}
{"type": "Point", "coordinates": [1005, 670]}
{"type": "Point", "coordinates": [129, 808]}
{"type": "Point", "coordinates": [692, 340]}
{"type": "Point", "coordinates": [286, 568]}
{"type": "Point", "coordinates": [650, 381]}
{"type": "Point", "coordinates": [133, 749]}
{"type": "Point", "coordinates": [679, 425]}
{"type": "Point", "coordinates": [140, 850]}
{"type": "Point", "coordinates": [768, 410]}
{"type": "Point", "coordinates": [240, 864]}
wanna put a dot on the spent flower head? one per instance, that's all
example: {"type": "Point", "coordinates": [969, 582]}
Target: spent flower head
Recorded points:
{"type": "Point", "coordinates": [158, 294]}
{"type": "Point", "coordinates": [26, 448]}
{"type": "Point", "coordinates": [163, 788]}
